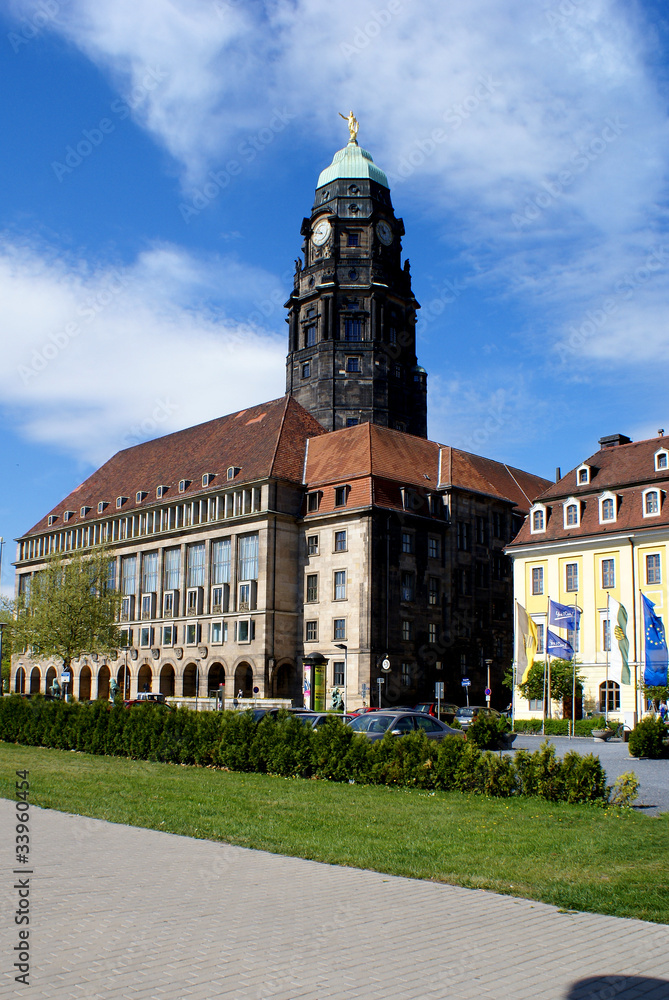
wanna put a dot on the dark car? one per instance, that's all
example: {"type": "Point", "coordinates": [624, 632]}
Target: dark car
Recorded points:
{"type": "Point", "coordinates": [448, 709]}
{"type": "Point", "coordinates": [273, 713]}
{"type": "Point", "coordinates": [317, 719]}
{"type": "Point", "coordinates": [374, 725]}
{"type": "Point", "coordinates": [466, 716]}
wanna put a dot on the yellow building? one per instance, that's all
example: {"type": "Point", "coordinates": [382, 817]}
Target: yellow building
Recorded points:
{"type": "Point", "coordinates": [600, 530]}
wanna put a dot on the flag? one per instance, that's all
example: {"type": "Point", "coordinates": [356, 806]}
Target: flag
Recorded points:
{"type": "Point", "coordinates": [558, 647]}
{"type": "Point", "coordinates": [655, 671]}
{"type": "Point", "coordinates": [620, 645]}
{"type": "Point", "coordinates": [564, 615]}
{"type": "Point", "coordinates": [525, 643]}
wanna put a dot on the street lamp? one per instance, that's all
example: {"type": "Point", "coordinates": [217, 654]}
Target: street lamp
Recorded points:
{"type": "Point", "coordinates": [341, 645]}
{"type": "Point", "coordinates": [2, 683]}
{"type": "Point", "coordinates": [488, 690]}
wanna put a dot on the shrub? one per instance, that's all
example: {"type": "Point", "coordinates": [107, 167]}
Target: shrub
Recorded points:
{"type": "Point", "coordinates": [407, 762]}
{"type": "Point", "coordinates": [625, 790]}
{"type": "Point", "coordinates": [340, 754]}
{"type": "Point", "coordinates": [649, 739]}
{"type": "Point", "coordinates": [486, 731]}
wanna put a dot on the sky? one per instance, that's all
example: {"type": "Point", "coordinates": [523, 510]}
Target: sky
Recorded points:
{"type": "Point", "coordinates": [158, 157]}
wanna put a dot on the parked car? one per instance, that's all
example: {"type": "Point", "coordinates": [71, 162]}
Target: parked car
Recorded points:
{"type": "Point", "coordinates": [374, 725]}
{"type": "Point", "coordinates": [466, 716]}
{"type": "Point", "coordinates": [317, 719]}
{"type": "Point", "coordinates": [260, 713]}
{"type": "Point", "coordinates": [448, 709]}
{"type": "Point", "coordinates": [149, 698]}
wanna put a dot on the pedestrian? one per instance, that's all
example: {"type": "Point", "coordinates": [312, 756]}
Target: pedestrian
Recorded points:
{"type": "Point", "coordinates": [664, 711]}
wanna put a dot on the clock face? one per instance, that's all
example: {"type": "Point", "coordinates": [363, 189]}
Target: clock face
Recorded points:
{"type": "Point", "coordinates": [320, 233]}
{"type": "Point", "coordinates": [384, 232]}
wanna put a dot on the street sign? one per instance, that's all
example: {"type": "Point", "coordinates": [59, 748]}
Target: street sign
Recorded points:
{"type": "Point", "coordinates": [439, 689]}
{"type": "Point", "coordinates": [466, 682]}
{"type": "Point", "coordinates": [65, 677]}
{"type": "Point", "coordinates": [385, 663]}
{"type": "Point", "coordinates": [256, 690]}
{"type": "Point", "coordinates": [364, 691]}
{"type": "Point", "coordinates": [488, 692]}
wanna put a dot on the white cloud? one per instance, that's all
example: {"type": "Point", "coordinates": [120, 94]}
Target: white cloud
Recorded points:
{"type": "Point", "coordinates": [95, 360]}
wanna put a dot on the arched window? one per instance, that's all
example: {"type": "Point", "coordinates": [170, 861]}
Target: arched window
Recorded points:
{"type": "Point", "coordinates": [652, 502]}
{"type": "Point", "coordinates": [572, 514]}
{"type": "Point", "coordinates": [608, 511]}
{"type": "Point", "coordinates": [609, 696]}
{"type": "Point", "coordinates": [538, 520]}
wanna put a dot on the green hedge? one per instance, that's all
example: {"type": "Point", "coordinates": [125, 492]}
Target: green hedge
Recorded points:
{"type": "Point", "coordinates": [287, 747]}
{"type": "Point", "coordinates": [649, 739]}
{"type": "Point", "coordinates": [559, 727]}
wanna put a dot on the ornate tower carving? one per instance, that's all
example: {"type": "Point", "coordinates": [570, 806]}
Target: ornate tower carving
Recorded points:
{"type": "Point", "coordinates": [352, 314]}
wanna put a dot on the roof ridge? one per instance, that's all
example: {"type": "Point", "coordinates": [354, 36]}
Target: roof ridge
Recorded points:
{"type": "Point", "coordinates": [278, 437]}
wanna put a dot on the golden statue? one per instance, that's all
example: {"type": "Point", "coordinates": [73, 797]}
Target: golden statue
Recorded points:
{"type": "Point", "coordinates": [353, 126]}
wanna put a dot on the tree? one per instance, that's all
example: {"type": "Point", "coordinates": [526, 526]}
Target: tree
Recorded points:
{"type": "Point", "coordinates": [69, 609]}
{"type": "Point", "coordinates": [562, 680]}
{"type": "Point", "coordinates": [6, 623]}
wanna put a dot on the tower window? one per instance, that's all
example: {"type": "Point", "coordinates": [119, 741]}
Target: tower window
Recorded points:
{"type": "Point", "coordinates": [353, 364]}
{"type": "Point", "coordinates": [353, 239]}
{"type": "Point", "coordinates": [352, 329]}
{"type": "Point", "coordinates": [310, 336]}
{"type": "Point", "coordinates": [352, 421]}
{"type": "Point", "coordinates": [353, 274]}
{"type": "Point", "coordinates": [306, 369]}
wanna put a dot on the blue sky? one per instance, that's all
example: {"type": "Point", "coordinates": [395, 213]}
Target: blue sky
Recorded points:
{"type": "Point", "coordinates": [158, 158]}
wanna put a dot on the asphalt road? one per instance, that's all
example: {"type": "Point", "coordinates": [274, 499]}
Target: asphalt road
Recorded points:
{"type": "Point", "coordinates": [653, 774]}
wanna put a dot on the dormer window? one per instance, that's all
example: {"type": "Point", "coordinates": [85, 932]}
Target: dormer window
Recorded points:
{"type": "Point", "coordinates": [207, 478]}
{"type": "Point", "coordinates": [101, 506]}
{"type": "Point", "coordinates": [607, 508]}
{"type": "Point", "coordinates": [661, 460]}
{"type": "Point", "coordinates": [183, 484]}
{"type": "Point", "coordinates": [160, 492]}
{"type": "Point", "coordinates": [583, 475]}
{"type": "Point", "coordinates": [120, 501]}
{"type": "Point", "coordinates": [232, 472]}
{"type": "Point", "coordinates": [572, 513]}
{"type": "Point", "coordinates": [651, 503]}
{"type": "Point", "coordinates": [83, 511]}
{"type": "Point", "coordinates": [68, 514]}
{"type": "Point", "coordinates": [313, 501]}
{"type": "Point", "coordinates": [52, 519]}
{"type": "Point", "coordinates": [341, 495]}
{"type": "Point", "coordinates": [538, 519]}
{"type": "Point", "coordinates": [140, 495]}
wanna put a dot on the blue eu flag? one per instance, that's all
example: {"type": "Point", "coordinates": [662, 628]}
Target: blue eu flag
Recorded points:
{"type": "Point", "coordinates": [655, 671]}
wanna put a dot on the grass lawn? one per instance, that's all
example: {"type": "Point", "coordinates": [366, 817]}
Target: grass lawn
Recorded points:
{"type": "Point", "coordinates": [576, 857]}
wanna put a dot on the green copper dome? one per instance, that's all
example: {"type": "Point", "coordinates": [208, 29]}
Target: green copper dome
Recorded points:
{"type": "Point", "coordinates": [354, 162]}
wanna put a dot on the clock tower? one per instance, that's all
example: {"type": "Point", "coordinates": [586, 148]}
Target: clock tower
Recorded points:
{"type": "Point", "coordinates": [352, 314]}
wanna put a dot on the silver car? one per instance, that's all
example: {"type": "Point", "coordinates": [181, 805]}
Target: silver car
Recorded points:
{"type": "Point", "coordinates": [374, 725]}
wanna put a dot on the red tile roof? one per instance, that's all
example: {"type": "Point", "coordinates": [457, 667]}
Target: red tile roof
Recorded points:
{"type": "Point", "coordinates": [625, 470]}
{"type": "Point", "coordinates": [262, 441]}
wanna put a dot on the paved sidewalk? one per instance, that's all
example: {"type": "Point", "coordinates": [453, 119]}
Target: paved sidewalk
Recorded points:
{"type": "Point", "coordinates": [122, 913]}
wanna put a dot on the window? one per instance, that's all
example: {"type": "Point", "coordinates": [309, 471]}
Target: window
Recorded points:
{"type": "Point", "coordinates": [221, 553]}
{"type": "Point", "coordinates": [340, 541]}
{"type": "Point", "coordinates": [354, 364]}
{"type": "Point", "coordinates": [246, 630]}
{"type": "Point", "coordinates": [248, 557]}
{"type": "Point", "coordinates": [126, 638]}
{"type": "Point", "coordinates": [353, 239]}
{"type": "Point", "coordinates": [220, 599]}
{"type": "Point", "coordinates": [312, 632]}
{"type": "Point", "coordinates": [129, 574]}
{"type": "Point", "coordinates": [498, 524]}
{"type": "Point", "coordinates": [464, 538]}
{"type": "Point", "coordinates": [608, 512]}
{"type": "Point", "coordinates": [407, 631]}
{"type": "Point", "coordinates": [101, 506]}
{"type": "Point", "coordinates": [247, 596]}
{"type": "Point", "coordinates": [571, 514]}
{"type": "Point", "coordinates": [606, 635]}
{"type": "Point", "coordinates": [310, 335]}
{"type": "Point", "coordinates": [306, 369]}
{"type": "Point", "coordinates": [353, 330]}
{"type": "Point", "coordinates": [149, 572]}
{"type": "Point", "coordinates": [536, 704]}
{"type": "Point", "coordinates": [537, 579]}
{"type": "Point", "coordinates": [465, 583]}
{"type": "Point", "coordinates": [481, 532]}
{"type": "Point", "coordinates": [397, 371]}
{"type": "Point", "coordinates": [651, 503]}
{"type": "Point", "coordinates": [609, 696]}
{"type": "Point", "coordinates": [312, 545]}
{"type": "Point", "coordinates": [573, 638]}
{"type": "Point", "coordinates": [120, 501]}
{"type": "Point", "coordinates": [172, 570]}
{"type": "Point", "coordinates": [538, 520]}
{"type": "Point", "coordinates": [192, 635]}
{"type": "Point", "coordinates": [541, 645]}
{"type": "Point", "coordinates": [408, 586]}
{"type": "Point", "coordinates": [571, 577]}
{"type": "Point", "coordinates": [207, 478]}
{"type": "Point", "coordinates": [407, 541]}
{"type": "Point", "coordinates": [147, 607]}
{"type": "Point", "coordinates": [482, 571]}
{"type": "Point", "coordinates": [139, 496]}
{"type": "Point", "coordinates": [217, 633]}
{"type": "Point", "coordinates": [433, 592]}
{"type": "Point", "coordinates": [406, 674]}
{"type": "Point", "coordinates": [231, 472]}
{"type": "Point", "coordinates": [195, 565]}
{"type": "Point", "coordinates": [352, 421]}
{"type": "Point", "coordinates": [432, 633]}
{"type": "Point", "coordinates": [160, 492]}
{"type": "Point", "coordinates": [313, 501]}
{"type": "Point", "coordinates": [182, 485]}
{"type": "Point", "coordinates": [608, 573]}
{"type": "Point", "coordinates": [52, 519]}
{"type": "Point", "coordinates": [583, 476]}
{"type": "Point", "coordinates": [433, 547]}
{"type": "Point", "coordinates": [661, 460]}
{"type": "Point", "coordinates": [312, 587]}
{"type": "Point", "coordinates": [341, 493]}
{"type": "Point", "coordinates": [339, 628]}
{"type": "Point", "coordinates": [338, 673]}
{"type": "Point", "coordinates": [169, 604]}
{"type": "Point", "coordinates": [145, 636]}
{"type": "Point", "coordinates": [84, 511]}
{"type": "Point", "coordinates": [653, 569]}
{"type": "Point", "coordinates": [340, 585]}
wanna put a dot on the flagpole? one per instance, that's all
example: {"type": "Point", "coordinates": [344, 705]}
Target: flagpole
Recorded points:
{"type": "Point", "coordinates": [573, 663]}
{"type": "Point", "coordinates": [608, 646]}
{"type": "Point", "coordinates": [546, 668]}
{"type": "Point", "coordinates": [548, 661]}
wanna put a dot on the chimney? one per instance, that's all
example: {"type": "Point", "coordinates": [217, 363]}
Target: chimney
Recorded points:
{"type": "Point", "coordinates": [613, 440]}
{"type": "Point", "coordinates": [558, 474]}
{"type": "Point", "coordinates": [660, 433]}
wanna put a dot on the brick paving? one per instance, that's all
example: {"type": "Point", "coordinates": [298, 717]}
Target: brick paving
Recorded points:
{"type": "Point", "coordinates": [122, 913]}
